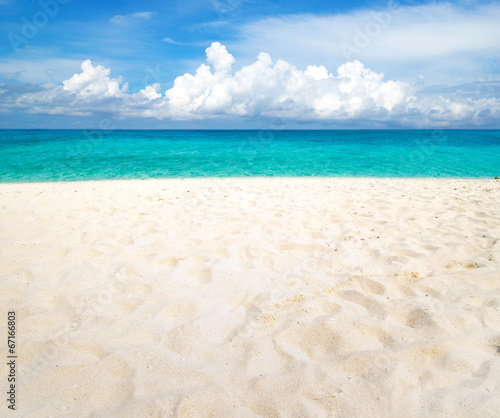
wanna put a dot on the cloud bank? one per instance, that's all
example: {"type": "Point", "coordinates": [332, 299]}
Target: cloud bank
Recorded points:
{"type": "Point", "coordinates": [262, 89]}
{"type": "Point", "coordinates": [441, 40]}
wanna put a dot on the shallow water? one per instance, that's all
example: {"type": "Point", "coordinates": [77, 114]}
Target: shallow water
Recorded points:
{"type": "Point", "coordinates": [63, 155]}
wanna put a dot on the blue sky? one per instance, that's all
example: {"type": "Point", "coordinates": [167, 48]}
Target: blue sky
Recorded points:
{"type": "Point", "coordinates": [412, 64]}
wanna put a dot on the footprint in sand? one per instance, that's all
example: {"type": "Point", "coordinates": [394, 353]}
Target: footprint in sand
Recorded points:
{"type": "Point", "coordinates": [316, 342]}
{"type": "Point", "coordinates": [419, 318]}
{"type": "Point", "coordinates": [371, 286]}
{"type": "Point", "coordinates": [116, 367]}
{"type": "Point", "coordinates": [369, 304]}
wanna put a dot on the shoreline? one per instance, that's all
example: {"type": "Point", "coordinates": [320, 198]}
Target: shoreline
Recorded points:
{"type": "Point", "coordinates": [254, 296]}
{"type": "Point", "coordinates": [263, 177]}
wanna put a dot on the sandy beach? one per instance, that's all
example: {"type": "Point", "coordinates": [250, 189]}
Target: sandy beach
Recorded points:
{"type": "Point", "coordinates": [253, 297]}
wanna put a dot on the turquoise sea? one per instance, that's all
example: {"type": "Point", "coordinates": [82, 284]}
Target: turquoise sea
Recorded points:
{"type": "Point", "coordinates": [65, 155]}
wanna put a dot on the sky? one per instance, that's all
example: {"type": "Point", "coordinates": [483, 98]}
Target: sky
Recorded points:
{"type": "Point", "coordinates": [249, 64]}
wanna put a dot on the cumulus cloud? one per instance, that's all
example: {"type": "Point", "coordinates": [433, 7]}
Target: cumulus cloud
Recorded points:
{"type": "Point", "coordinates": [220, 59]}
{"type": "Point", "coordinates": [124, 19]}
{"type": "Point", "coordinates": [80, 95]}
{"type": "Point", "coordinates": [264, 89]}
{"type": "Point", "coordinates": [95, 82]}
{"type": "Point", "coordinates": [280, 89]}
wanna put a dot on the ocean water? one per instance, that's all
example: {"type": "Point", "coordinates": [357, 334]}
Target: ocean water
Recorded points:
{"type": "Point", "coordinates": [66, 155]}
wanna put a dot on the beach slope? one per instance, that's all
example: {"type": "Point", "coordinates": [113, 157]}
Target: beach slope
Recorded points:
{"type": "Point", "coordinates": [250, 297]}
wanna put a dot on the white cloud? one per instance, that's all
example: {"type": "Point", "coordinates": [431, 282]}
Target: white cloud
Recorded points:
{"type": "Point", "coordinates": [171, 41]}
{"type": "Point", "coordinates": [124, 19]}
{"type": "Point", "coordinates": [280, 89]}
{"type": "Point", "coordinates": [95, 82]}
{"type": "Point", "coordinates": [149, 92]}
{"type": "Point", "coordinates": [39, 70]}
{"type": "Point", "coordinates": [220, 59]}
{"type": "Point", "coordinates": [174, 42]}
{"type": "Point", "coordinates": [263, 89]}
{"type": "Point", "coordinates": [427, 39]}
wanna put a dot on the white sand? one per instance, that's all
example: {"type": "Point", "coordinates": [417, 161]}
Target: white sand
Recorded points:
{"type": "Point", "coordinates": [253, 297]}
